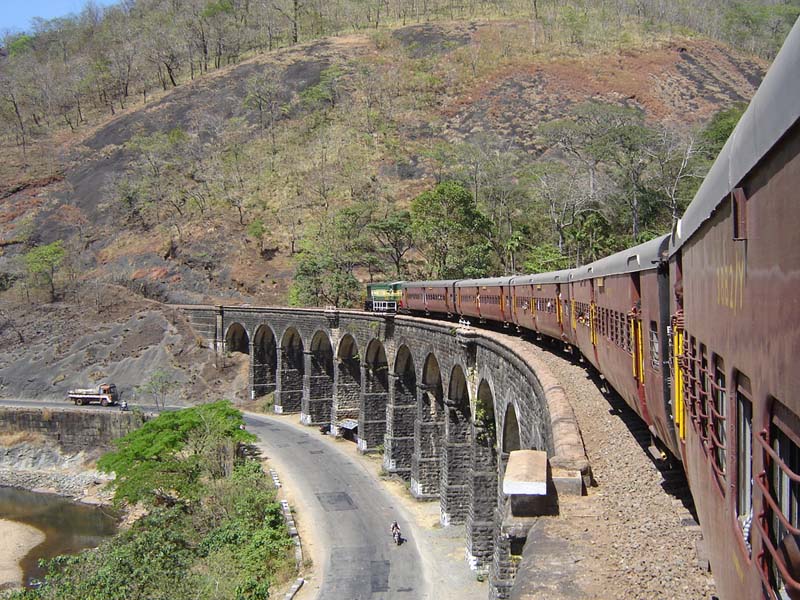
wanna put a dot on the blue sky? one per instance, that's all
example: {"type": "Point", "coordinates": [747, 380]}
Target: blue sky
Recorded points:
{"type": "Point", "coordinates": [16, 15]}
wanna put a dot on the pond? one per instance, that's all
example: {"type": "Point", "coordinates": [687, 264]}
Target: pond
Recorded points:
{"type": "Point", "coordinates": [69, 527]}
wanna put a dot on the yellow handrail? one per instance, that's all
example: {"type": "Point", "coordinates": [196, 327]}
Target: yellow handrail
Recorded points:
{"type": "Point", "coordinates": [677, 384]}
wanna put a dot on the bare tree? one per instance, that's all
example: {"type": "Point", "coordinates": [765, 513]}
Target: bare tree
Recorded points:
{"type": "Point", "coordinates": [671, 156]}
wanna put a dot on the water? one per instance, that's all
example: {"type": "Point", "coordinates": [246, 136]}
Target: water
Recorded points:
{"type": "Point", "coordinates": [69, 527]}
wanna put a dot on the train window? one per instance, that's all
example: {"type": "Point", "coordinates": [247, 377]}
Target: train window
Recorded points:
{"type": "Point", "coordinates": [628, 334]}
{"type": "Point", "coordinates": [614, 326]}
{"type": "Point", "coordinates": [691, 381]}
{"type": "Point", "coordinates": [703, 392]}
{"type": "Point", "coordinates": [718, 416]}
{"type": "Point", "coordinates": [744, 457]}
{"type": "Point", "coordinates": [780, 486]}
{"type": "Point", "coordinates": [655, 359]}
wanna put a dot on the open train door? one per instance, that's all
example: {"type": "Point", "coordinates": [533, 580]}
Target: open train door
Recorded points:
{"type": "Point", "coordinates": [636, 335]}
{"type": "Point", "coordinates": [593, 326]}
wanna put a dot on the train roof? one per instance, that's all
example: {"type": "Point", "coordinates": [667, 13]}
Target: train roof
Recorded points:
{"type": "Point", "coordinates": [639, 258]}
{"type": "Point", "coordinates": [432, 283]}
{"type": "Point", "coordinates": [774, 109]}
{"type": "Point", "coordinates": [553, 277]}
{"type": "Point", "coordinates": [493, 281]}
{"type": "Point", "coordinates": [384, 284]}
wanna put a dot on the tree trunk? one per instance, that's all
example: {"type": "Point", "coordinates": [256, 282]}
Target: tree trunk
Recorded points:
{"type": "Point", "coordinates": [171, 75]}
{"type": "Point", "coordinates": [21, 125]}
{"type": "Point", "coordinates": [296, 16]}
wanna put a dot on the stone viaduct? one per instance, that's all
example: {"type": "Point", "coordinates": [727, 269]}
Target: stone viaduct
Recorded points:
{"type": "Point", "coordinates": [444, 404]}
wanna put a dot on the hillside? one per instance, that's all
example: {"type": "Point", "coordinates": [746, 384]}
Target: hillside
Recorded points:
{"type": "Point", "coordinates": [202, 194]}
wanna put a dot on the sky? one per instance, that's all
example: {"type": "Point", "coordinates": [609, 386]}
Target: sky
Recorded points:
{"type": "Point", "coordinates": [16, 15]}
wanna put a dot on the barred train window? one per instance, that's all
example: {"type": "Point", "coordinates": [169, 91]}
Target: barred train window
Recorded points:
{"type": "Point", "coordinates": [614, 326]}
{"type": "Point", "coordinates": [786, 493]}
{"type": "Point", "coordinates": [654, 354]}
{"type": "Point", "coordinates": [719, 413]}
{"type": "Point", "coordinates": [693, 374]}
{"type": "Point", "coordinates": [744, 456]}
{"type": "Point", "coordinates": [704, 390]}
{"type": "Point", "coordinates": [627, 338]}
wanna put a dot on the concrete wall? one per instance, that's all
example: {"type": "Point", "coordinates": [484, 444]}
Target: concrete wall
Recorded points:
{"type": "Point", "coordinates": [391, 377]}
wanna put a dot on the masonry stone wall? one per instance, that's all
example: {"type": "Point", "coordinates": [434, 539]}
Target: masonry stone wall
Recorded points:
{"type": "Point", "coordinates": [412, 386]}
{"type": "Point", "coordinates": [73, 430]}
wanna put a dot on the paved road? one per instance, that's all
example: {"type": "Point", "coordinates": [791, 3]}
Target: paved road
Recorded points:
{"type": "Point", "coordinates": [70, 404]}
{"type": "Point", "coordinates": [350, 512]}
{"type": "Point", "coordinates": [347, 507]}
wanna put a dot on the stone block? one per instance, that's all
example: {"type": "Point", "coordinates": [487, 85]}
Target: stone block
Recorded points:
{"type": "Point", "coordinates": [567, 483]}
{"type": "Point", "coordinates": [526, 473]}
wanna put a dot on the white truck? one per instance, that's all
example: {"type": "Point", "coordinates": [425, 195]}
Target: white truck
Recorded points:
{"type": "Point", "coordinates": [106, 394]}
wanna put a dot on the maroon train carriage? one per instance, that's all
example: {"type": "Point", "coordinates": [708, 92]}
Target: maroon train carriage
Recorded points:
{"type": "Point", "coordinates": [582, 327]}
{"type": "Point", "coordinates": [735, 274]}
{"type": "Point", "coordinates": [485, 299]}
{"type": "Point", "coordinates": [547, 298]}
{"type": "Point", "coordinates": [620, 324]}
{"type": "Point", "coordinates": [523, 307]}
{"type": "Point", "coordinates": [430, 297]}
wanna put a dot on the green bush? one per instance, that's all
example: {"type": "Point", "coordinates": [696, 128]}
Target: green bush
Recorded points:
{"type": "Point", "coordinates": [224, 536]}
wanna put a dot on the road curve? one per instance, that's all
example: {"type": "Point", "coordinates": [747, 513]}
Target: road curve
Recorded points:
{"type": "Point", "coordinates": [350, 513]}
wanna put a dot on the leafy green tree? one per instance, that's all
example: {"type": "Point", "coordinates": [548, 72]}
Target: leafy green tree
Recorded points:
{"type": "Point", "coordinates": [626, 153]}
{"type": "Point", "coordinates": [719, 129]}
{"type": "Point", "coordinates": [543, 258]}
{"type": "Point", "coordinates": [451, 232]}
{"type": "Point", "coordinates": [395, 237]}
{"type": "Point", "coordinates": [20, 44]}
{"type": "Point", "coordinates": [325, 94]}
{"type": "Point", "coordinates": [43, 263]}
{"type": "Point", "coordinates": [329, 254]}
{"type": "Point", "coordinates": [164, 460]}
{"type": "Point", "coordinates": [256, 230]}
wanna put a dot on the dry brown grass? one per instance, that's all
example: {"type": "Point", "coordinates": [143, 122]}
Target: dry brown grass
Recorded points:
{"type": "Point", "coordinates": [17, 438]}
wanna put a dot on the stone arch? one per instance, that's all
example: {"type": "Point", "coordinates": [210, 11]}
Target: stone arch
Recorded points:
{"type": "Point", "coordinates": [480, 523]}
{"type": "Point", "coordinates": [291, 370]}
{"type": "Point", "coordinates": [318, 396]}
{"type": "Point", "coordinates": [265, 361]}
{"type": "Point", "coordinates": [347, 389]}
{"type": "Point", "coordinates": [375, 394]}
{"type": "Point", "coordinates": [511, 433]}
{"type": "Point", "coordinates": [236, 339]}
{"type": "Point", "coordinates": [456, 468]}
{"type": "Point", "coordinates": [400, 415]}
{"type": "Point", "coordinates": [428, 432]}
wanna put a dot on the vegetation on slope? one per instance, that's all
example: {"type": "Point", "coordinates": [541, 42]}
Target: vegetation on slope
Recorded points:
{"type": "Point", "coordinates": [566, 135]}
{"type": "Point", "coordinates": [213, 529]}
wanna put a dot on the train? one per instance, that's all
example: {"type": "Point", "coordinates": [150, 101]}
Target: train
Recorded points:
{"type": "Point", "coordinates": [699, 332]}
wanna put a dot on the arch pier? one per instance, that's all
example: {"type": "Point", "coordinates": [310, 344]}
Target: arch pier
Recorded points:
{"type": "Point", "coordinates": [465, 416]}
